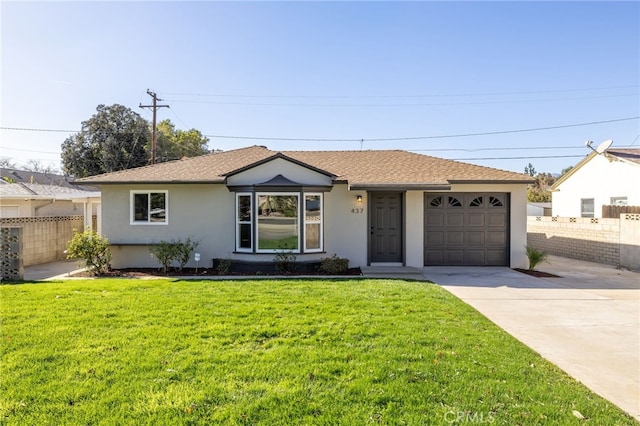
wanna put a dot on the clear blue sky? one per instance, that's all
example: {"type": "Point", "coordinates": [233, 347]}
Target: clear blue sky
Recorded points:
{"type": "Point", "coordinates": [330, 70]}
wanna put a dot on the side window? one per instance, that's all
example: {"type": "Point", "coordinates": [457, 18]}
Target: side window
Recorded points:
{"type": "Point", "coordinates": [586, 207]}
{"type": "Point", "coordinates": [312, 222]}
{"type": "Point", "coordinates": [244, 229]}
{"type": "Point", "coordinates": [149, 207]}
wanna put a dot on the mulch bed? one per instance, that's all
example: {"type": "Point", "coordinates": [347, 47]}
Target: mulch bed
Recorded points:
{"type": "Point", "coordinates": [537, 274]}
{"type": "Point", "coordinates": [191, 272]}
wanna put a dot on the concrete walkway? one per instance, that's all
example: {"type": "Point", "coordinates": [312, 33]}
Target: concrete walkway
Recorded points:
{"type": "Point", "coordinates": [52, 270]}
{"type": "Point", "coordinates": [587, 322]}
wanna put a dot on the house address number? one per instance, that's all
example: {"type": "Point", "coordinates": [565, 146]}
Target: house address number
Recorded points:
{"type": "Point", "coordinates": [357, 210]}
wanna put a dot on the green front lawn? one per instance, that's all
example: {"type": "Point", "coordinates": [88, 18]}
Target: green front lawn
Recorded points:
{"type": "Point", "coordinates": [267, 352]}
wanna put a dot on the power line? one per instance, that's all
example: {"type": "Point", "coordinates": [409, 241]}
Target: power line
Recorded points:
{"type": "Point", "coordinates": [459, 135]}
{"type": "Point", "coordinates": [221, 95]}
{"type": "Point", "coordinates": [518, 158]}
{"type": "Point", "coordinates": [400, 104]}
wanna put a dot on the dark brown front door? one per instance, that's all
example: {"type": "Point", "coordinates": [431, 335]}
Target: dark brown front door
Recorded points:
{"type": "Point", "coordinates": [385, 226]}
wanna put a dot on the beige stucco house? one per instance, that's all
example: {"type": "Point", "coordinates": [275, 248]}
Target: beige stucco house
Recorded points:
{"type": "Point", "coordinates": [609, 178]}
{"type": "Point", "coordinates": [372, 207]}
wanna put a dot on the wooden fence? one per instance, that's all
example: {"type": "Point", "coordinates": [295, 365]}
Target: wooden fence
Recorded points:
{"type": "Point", "coordinates": [614, 212]}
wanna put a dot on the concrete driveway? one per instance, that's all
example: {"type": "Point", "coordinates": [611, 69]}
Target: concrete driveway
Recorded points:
{"type": "Point", "coordinates": [587, 322]}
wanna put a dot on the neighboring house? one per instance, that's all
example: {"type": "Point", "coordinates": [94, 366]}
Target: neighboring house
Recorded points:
{"type": "Point", "coordinates": [32, 194]}
{"type": "Point", "coordinates": [538, 209]}
{"type": "Point", "coordinates": [372, 207]}
{"type": "Point", "coordinates": [610, 178]}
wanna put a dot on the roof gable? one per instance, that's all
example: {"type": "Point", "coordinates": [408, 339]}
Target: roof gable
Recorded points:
{"type": "Point", "coordinates": [626, 155]}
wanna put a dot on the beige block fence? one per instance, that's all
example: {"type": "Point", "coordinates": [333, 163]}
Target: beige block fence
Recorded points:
{"type": "Point", "coordinates": [609, 241]}
{"type": "Point", "coordinates": [44, 239]}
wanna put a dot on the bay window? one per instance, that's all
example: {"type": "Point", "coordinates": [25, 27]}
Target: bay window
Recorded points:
{"type": "Point", "coordinates": [279, 221]}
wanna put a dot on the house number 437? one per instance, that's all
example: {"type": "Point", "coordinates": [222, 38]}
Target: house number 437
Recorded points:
{"type": "Point", "coordinates": [357, 210]}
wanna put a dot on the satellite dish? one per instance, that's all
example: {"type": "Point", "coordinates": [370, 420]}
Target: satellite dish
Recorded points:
{"type": "Point", "coordinates": [604, 146]}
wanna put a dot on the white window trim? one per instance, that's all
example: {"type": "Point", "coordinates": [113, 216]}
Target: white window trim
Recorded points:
{"type": "Point", "coordinates": [615, 201]}
{"type": "Point", "coordinates": [257, 222]}
{"type": "Point", "coordinates": [305, 222]}
{"type": "Point", "coordinates": [132, 206]}
{"type": "Point", "coordinates": [586, 214]}
{"type": "Point", "coordinates": [250, 222]}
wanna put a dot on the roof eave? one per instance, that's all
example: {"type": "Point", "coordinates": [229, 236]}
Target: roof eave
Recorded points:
{"type": "Point", "coordinates": [152, 182]}
{"type": "Point", "coordinates": [491, 181]}
{"type": "Point", "coordinates": [399, 187]}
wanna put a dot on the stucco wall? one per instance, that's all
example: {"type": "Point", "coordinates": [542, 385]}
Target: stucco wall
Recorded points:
{"type": "Point", "coordinates": [202, 212]}
{"type": "Point", "coordinates": [599, 179]}
{"type": "Point", "coordinates": [42, 208]}
{"type": "Point", "coordinates": [206, 212]}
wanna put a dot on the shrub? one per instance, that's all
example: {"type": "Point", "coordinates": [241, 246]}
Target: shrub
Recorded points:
{"type": "Point", "coordinates": [285, 262]}
{"type": "Point", "coordinates": [224, 266]}
{"type": "Point", "coordinates": [184, 251]}
{"type": "Point", "coordinates": [334, 265]}
{"type": "Point", "coordinates": [92, 248]}
{"type": "Point", "coordinates": [165, 252]}
{"type": "Point", "coordinates": [169, 251]}
{"type": "Point", "coordinates": [535, 257]}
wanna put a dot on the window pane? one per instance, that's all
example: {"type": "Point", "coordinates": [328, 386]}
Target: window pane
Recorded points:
{"type": "Point", "coordinates": [586, 207]}
{"type": "Point", "coordinates": [312, 208]}
{"type": "Point", "coordinates": [158, 207]}
{"type": "Point", "coordinates": [245, 235]}
{"type": "Point", "coordinates": [312, 236]}
{"type": "Point", "coordinates": [244, 208]}
{"type": "Point", "coordinates": [278, 222]}
{"type": "Point", "coordinates": [141, 202]}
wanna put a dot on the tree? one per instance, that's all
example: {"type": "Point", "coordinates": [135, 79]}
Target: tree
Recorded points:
{"type": "Point", "coordinates": [530, 170]}
{"type": "Point", "coordinates": [7, 163]}
{"type": "Point", "coordinates": [115, 138]}
{"type": "Point", "coordinates": [174, 144]}
{"type": "Point", "coordinates": [38, 167]}
{"type": "Point", "coordinates": [565, 170]}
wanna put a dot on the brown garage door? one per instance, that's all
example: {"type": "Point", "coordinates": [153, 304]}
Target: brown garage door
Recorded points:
{"type": "Point", "coordinates": [470, 229]}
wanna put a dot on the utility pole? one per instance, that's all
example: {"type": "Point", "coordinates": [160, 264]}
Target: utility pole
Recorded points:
{"type": "Point", "coordinates": [154, 107]}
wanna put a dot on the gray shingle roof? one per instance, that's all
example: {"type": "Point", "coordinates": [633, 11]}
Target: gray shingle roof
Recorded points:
{"type": "Point", "coordinates": [35, 190]}
{"type": "Point", "coordinates": [381, 167]}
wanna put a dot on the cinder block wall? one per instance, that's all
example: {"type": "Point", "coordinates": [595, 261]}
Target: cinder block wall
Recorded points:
{"type": "Point", "coordinates": [44, 239]}
{"type": "Point", "coordinates": [609, 241]}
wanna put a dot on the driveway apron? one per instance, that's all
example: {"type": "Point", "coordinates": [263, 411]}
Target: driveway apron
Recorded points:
{"type": "Point", "coordinates": [586, 322]}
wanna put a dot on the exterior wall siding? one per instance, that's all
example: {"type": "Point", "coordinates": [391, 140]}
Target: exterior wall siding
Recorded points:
{"type": "Point", "coordinates": [609, 241]}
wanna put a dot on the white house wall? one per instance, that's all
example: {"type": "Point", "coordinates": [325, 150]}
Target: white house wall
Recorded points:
{"type": "Point", "coordinates": [599, 179]}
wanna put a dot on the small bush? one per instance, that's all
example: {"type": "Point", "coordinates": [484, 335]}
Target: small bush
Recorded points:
{"type": "Point", "coordinates": [92, 248]}
{"type": "Point", "coordinates": [224, 266]}
{"type": "Point", "coordinates": [334, 265]}
{"type": "Point", "coordinates": [165, 252]}
{"type": "Point", "coordinates": [184, 251]}
{"type": "Point", "coordinates": [285, 262]}
{"type": "Point", "coordinates": [535, 257]}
